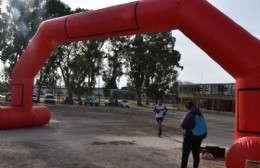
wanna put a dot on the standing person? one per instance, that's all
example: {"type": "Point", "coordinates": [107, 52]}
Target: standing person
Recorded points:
{"type": "Point", "coordinates": [191, 138]}
{"type": "Point", "coordinates": [160, 111]}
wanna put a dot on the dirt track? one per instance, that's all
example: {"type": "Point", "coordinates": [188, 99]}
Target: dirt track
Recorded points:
{"type": "Point", "coordinates": [107, 137]}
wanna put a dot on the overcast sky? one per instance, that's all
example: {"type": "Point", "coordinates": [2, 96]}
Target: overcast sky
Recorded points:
{"type": "Point", "coordinates": [198, 66]}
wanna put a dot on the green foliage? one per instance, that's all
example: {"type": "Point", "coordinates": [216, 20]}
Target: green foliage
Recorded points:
{"type": "Point", "coordinates": [114, 69]}
{"type": "Point", "coordinates": [55, 8]}
{"type": "Point", "coordinates": [151, 63]}
{"type": "Point", "coordinates": [80, 63]}
{"type": "Point", "coordinates": [162, 70]}
{"type": "Point", "coordinates": [87, 65]}
{"type": "Point", "coordinates": [19, 24]}
{"type": "Point", "coordinates": [5, 87]}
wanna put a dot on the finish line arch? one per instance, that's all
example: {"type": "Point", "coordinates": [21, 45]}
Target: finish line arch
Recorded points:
{"type": "Point", "coordinates": [223, 40]}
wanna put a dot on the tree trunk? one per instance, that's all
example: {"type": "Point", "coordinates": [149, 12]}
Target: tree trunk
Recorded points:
{"type": "Point", "coordinates": [139, 98]}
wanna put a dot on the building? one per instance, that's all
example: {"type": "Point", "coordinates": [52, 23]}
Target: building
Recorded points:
{"type": "Point", "coordinates": [215, 97]}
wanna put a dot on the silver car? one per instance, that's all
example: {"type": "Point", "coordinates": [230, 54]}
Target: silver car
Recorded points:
{"type": "Point", "coordinates": [123, 103]}
{"type": "Point", "coordinates": [49, 98]}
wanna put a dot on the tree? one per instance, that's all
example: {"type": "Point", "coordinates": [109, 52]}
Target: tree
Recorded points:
{"type": "Point", "coordinates": [80, 63]}
{"type": "Point", "coordinates": [151, 63]}
{"type": "Point", "coordinates": [114, 69]}
{"type": "Point", "coordinates": [4, 87]}
{"type": "Point", "coordinates": [3, 28]}
{"type": "Point", "coordinates": [136, 63]}
{"type": "Point", "coordinates": [64, 55]}
{"type": "Point", "coordinates": [55, 8]}
{"type": "Point", "coordinates": [162, 70]}
{"type": "Point", "coordinates": [87, 66]}
{"type": "Point", "coordinates": [19, 24]}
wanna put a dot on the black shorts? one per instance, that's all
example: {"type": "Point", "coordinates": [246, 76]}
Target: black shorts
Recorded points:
{"type": "Point", "coordinates": [159, 119]}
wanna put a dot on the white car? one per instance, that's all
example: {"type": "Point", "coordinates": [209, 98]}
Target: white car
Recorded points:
{"type": "Point", "coordinates": [91, 101]}
{"type": "Point", "coordinates": [123, 103]}
{"type": "Point", "coordinates": [49, 98]}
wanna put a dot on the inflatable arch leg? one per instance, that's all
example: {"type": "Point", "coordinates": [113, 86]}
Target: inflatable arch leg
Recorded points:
{"type": "Point", "coordinates": [244, 152]}
{"type": "Point", "coordinates": [223, 40]}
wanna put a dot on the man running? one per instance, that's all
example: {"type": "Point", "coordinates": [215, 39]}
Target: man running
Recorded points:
{"type": "Point", "coordinates": [160, 111]}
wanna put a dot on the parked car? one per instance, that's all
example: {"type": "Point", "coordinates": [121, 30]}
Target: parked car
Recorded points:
{"type": "Point", "coordinates": [90, 100]}
{"type": "Point", "coordinates": [111, 102]}
{"type": "Point", "coordinates": [49, 98]}
{"type": "Point", "coordinates": [123, 103]}
{"type": "Point", "coordinates": [8, 97]}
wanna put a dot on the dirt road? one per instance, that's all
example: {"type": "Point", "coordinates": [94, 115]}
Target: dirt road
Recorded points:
{"type": "Point", "coordinates": [107, 137]}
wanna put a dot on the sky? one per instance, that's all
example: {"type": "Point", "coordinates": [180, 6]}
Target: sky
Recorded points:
{"type": "Point", "coordinates": [245, 13]}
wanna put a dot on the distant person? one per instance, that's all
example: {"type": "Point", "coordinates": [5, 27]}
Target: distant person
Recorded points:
{"type": "Point", "coordinates": [160, 111]}
{"type": "Point", "coordinates": [194, 131]}
{"type": "Point", "coordinates": [69, 99]}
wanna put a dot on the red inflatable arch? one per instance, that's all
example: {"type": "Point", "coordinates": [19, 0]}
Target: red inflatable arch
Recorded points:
{"type": "Point", "coordinates": [224, 41]}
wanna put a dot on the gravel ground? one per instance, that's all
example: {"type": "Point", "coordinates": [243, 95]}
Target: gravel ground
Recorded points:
{"type": "Point", "coordinates": [108, 137]}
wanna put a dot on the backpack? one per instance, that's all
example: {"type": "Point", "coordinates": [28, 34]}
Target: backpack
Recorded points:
{"type": "Point", "coordinates": [200, 128]}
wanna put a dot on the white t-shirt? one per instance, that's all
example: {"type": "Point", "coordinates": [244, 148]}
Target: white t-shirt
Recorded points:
{"type": "Point", "coordinates": [161, 108]}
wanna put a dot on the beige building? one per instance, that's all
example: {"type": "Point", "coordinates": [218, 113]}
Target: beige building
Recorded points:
{"type": "Point", "coordinates": [215, 97]}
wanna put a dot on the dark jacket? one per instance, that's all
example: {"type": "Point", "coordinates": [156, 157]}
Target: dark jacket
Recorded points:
{"type": "Point", "coordinates": [188, 122]}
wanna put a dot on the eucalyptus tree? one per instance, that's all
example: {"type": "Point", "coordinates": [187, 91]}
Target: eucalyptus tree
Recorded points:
{"type": "Point", "coordinates": [3, 38]}
{"type": "Point", "coordinates": [91, 64]}
{"type": "Point", "coordinates": [64, 55]}
{"type": "Point", "coordinates": [151, 63]}
{"type": "Point", "coordinates": [80, 63]}
{"type": "Point", "coordinates": [114, 67]}
{"type": "Point", "coordinates": [137, 59]}
{"type": "Point", "coordinates": [162, 69]}
{"type": "Point", "coordinates": [19, 23]}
